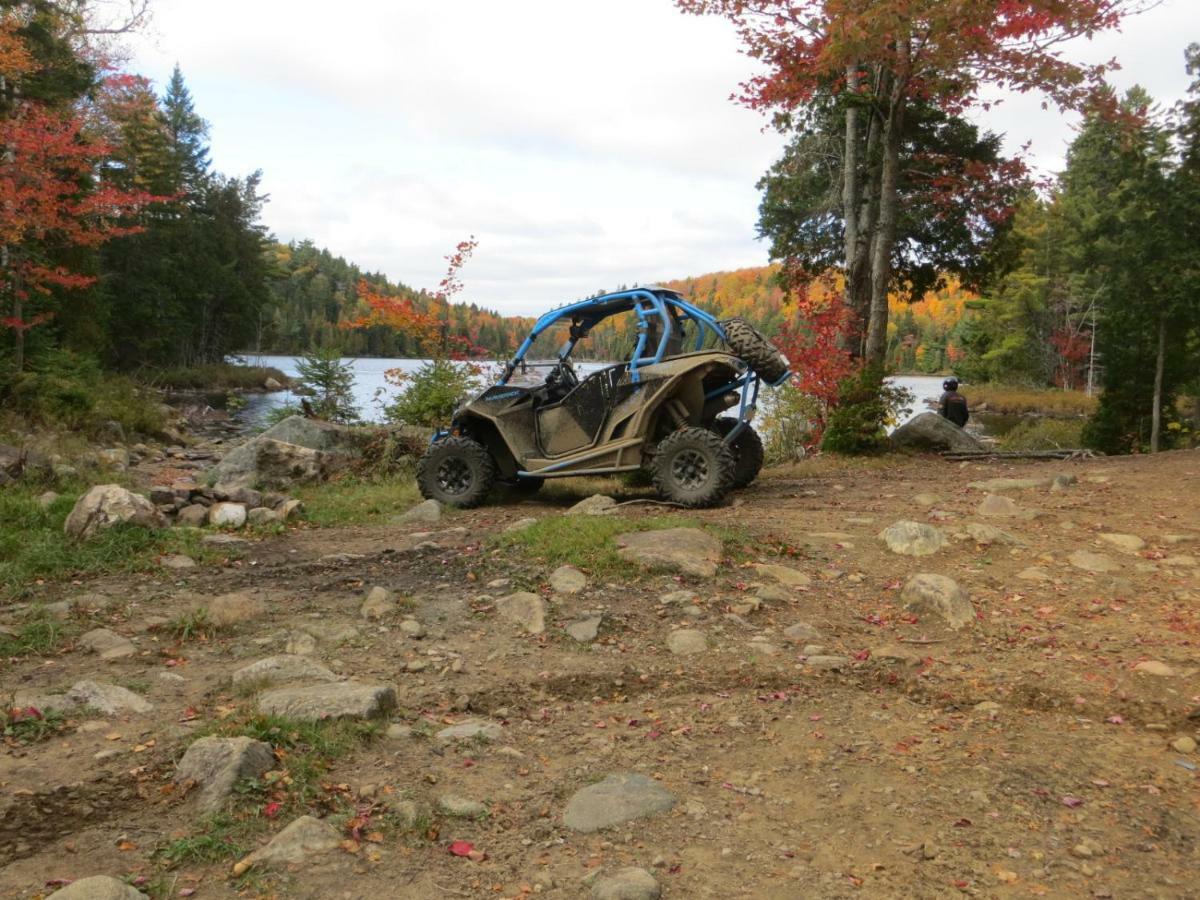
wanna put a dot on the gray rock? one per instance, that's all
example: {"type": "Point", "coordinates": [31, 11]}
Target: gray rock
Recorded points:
{"type": "Point", "coordinates": [282, 669]}
{"type": "Point", "coordinates": [296, 449]}
{"type": "Point", "coordinates": [46, 500]}
{"type": "Point", "coordinates": [689, 551]}
{"type": "Point", "coordinates": [912, 538]}
{"type": "Point", "coordinates": [520, 525]}
{"type": "Point", "coordinates": [224, 539]}
{"type": "Point", "coordinates": [1126, 543]}
{"type": "Point", "coordinates": [567, 580]}
{"type": "Point", "coordinates": [998, 485]}
{"type": "Point", "coordinates": [270, 384]}
{"type": "Point", "coordinates": [470, 731]}
{"type": "Point", "coordinates": [428, 511]}
{"type": "Point", "coordinates": [686, 641]}
{"type": "Point", "coordinates": [1062, 482]}
{"type": "Point", "coordinates": [116, 458]}
{"type": "Point", "coordinates": [300, 643]}
{"type": "Point", "coordinates": [1175, 539]}
{"type": "Point", "coordinates": [785, 575]}
{"type": "Point", "coordinates": [989, 534]}
{"type": "Point", "coordinates": [216, 764]}
{"type": "Point", "coordinates": [595, 505]}
{"type": "Point", "coordinates": [461, 807]}
{"type": "Point", "coordinates": [926, 501]}
{"type": "Point", "coordinates": [343, 700]}
{"type": "Point", "coordinates": [230, 609]}
{"type": "Point", "coordinates": [681, 598]}
{"type": "Point", "coordinates": [97, 887]}
{"type": "Point", "coordinates": [177, 562]}
{"type": "Point", "coordinates": [627, 884]}
{"type": "Point", "coordinates": [585, 630]}
{"type": "Point", "coordinates": [379, 603]}
{"type": "Point", "coordinates": [289, 509]}
{"type": "Point", "coordinates": [107, 698]}
{"type": "Point", "coordinates": [260, 515]}
{"type": "Point", "coordinates": [524, 609]}
{"type": "Point", "coordinates": [1097, 563]}
{"type": "Point", "coordinates": [227, 515]}
{"type": "Point", "coordinates": [194, 515]}
{"type": "Point", "coordinates": [801, 632]}
{"type": "Point", "coordinates": [107, 644]}
{"type": "Point", "coordinates": [772, 593]}
{"type": "Point", "coordinates": [107, 505]}
{"type": "Point", "coordinates": [927, 594]}
{"type": "Point", "coordinates": [999, 507]}
{"type": "Point", "coordinates": [413, 629]}
{"type": "Point", "coordinates": [302, 839]}
{"type": "Point", "coordinates": [929, 431]}
{"type": "Point", "coordinates": [616, 799]}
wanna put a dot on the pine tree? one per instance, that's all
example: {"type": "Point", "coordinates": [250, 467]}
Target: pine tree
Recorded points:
{"type": "Point", "coordinates": [188, 133]}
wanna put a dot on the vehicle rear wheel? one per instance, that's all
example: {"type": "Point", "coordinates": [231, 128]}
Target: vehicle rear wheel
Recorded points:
{"type": "Point", "coordinates": [693, 467]}
{"type": "Point", "coordinates": [752, 345]}
{"type": "Point", "coordinates": [456, 471]}
{"type": "Point", "coordinates": [747, 451]}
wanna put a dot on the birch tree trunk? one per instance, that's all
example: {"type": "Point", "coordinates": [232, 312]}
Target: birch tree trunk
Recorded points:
{"type": "Point", "coordinates": [1159, 363]}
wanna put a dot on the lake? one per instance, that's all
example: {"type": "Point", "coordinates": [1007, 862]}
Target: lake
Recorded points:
{"type": "Point", "coordinates": [372, 392]}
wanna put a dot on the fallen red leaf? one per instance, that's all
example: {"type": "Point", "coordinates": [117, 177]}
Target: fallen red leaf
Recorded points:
{"type": "Point", "coordinates": [461, 848]}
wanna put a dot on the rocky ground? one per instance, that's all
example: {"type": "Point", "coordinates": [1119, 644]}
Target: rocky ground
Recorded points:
{"type": "Point", "coordinates": [998, 696]}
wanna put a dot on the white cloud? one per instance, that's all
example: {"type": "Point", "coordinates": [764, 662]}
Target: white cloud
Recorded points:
{"type": "Point", "coordinates": [584, 144]}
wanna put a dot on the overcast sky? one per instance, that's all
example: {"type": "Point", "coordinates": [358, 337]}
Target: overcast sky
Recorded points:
{"type": "Point", "coordinates": [585, 145]}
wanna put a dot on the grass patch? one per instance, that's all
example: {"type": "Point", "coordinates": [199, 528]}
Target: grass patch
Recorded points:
{"type": "Point", "coordinates": [33, 547]}
{"type": "Point", "coordinates": [191, 625]}
{"type": "Point", "coordinates": [357, 501]}
{"type": "Point", "coordinates": [1044, 434]}
{"type": "Point", "coordinates": [306, 751]}
{"type": "Point", "coordinates": [217, 377]}
{"type": "Point", "coordinates": [38, 635]}
{"type": "Point", "coordinates": [585, 542]}
{"type": "Point", "coordinates": [219, 837]}
{"type": "Point", "coordinates": [1015, 400]}
{"type": "Point", "coordinates": [28, 726]}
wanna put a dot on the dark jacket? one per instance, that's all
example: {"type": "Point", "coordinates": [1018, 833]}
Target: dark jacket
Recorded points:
{"type": "Point", "coordinates": [953, 406]}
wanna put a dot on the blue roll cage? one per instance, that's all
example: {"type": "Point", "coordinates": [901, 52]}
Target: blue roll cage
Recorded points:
{"type": "Point", "coordinates": [647, 303]}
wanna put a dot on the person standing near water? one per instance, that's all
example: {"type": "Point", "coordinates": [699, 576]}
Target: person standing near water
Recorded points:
{"type": "Point", "coordinates": [953, 405]}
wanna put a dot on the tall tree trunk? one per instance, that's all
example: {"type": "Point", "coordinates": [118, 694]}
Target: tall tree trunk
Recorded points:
{"type": "Point", "coordinates": [885, 229]}
{"type": "Point", "coordinates": [851, 197]}
{"type": "Point", "coordinates": [1156, 411]}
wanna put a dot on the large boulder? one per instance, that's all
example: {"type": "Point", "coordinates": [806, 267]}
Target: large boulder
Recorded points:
{"type": "Point", "coordinates": [929, 431]}
{"type": "Point", "coordinates": [107, 505]}
{"type": "Point", "coordinates": [296, 449]}
{"type": "Point", "coordinates": [689, 551]}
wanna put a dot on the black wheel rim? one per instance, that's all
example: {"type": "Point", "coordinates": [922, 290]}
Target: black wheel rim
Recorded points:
{"type": "Point", "coordinates": [689, 468]}
{"type": "Point", "coordinates": [454, 475]}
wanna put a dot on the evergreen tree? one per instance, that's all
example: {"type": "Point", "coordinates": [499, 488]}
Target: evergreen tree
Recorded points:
{"type": "Point", "coordinates": [188, 133]}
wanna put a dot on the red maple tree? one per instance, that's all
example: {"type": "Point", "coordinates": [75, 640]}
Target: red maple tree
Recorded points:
{"type": "Point", "coordinates": [51, 198]}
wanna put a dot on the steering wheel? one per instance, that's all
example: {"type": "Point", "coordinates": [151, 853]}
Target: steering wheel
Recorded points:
{"type": "Point", "coordinates": [563, 376]}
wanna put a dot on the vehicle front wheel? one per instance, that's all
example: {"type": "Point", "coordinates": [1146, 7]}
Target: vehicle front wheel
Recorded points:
{"type": "Point", "coordinates": [693, 467]}
{"type": "Point", "coordinates": [456, 471]}
{"type": "Point", "coordinates": [747, 451]}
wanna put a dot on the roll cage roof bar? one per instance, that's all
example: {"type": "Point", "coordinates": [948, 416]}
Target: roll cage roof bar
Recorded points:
{"type": "Point", "coordinates": [648, 303]}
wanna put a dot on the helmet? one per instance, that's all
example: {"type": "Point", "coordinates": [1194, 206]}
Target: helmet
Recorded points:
{"type": "Point", "coordinates": [950, 384]}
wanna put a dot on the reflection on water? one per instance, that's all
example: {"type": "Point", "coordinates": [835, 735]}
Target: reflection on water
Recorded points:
{"type": "Point", "coordinates": [372, 392]}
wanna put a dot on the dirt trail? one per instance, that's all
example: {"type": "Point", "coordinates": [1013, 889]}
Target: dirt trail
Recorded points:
{"type": "Point", "coordinates": [1023, 754]}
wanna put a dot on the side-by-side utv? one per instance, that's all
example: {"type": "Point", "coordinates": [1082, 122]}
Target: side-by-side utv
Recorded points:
{"type": "Point", "coordinates": [660, 411]}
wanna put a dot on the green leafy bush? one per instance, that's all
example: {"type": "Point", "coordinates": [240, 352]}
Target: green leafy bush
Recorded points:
{"type": "Point", "coordinates": [328, 382]}
{"type": "Point", "coordinates": [866, 405]}
{"type": "Point", "coordinates": [431, 394]}
{"type": "Point", "coordinates": [787, 425]}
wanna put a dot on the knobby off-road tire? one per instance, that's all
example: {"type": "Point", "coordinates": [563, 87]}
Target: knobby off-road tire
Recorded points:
{"type": "Point", "coordinates": [748, 342]}
{"type": "Point", "coordinates": [693, 467]}
{"type": "Point", "coordinates": [456, 471]}
{"type": "Point", "coordinates": [747, 451]}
